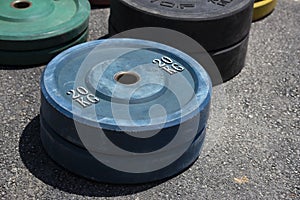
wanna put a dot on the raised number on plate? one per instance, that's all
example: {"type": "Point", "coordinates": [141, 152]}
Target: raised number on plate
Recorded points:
{"type": "Point", "coordinates": [172, 4]}
{"type": "Point", "coordinates": [82, 96]}
{"type": "Point", "coordinates": [220, 2]}
{"type": "Point", "coordinates": [168, 65]}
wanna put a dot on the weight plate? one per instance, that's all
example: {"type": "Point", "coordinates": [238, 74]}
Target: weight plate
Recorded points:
{"type": "Point", "coordinates": [99, 2]}
{"type": "Point", "coordinates": [263, 8]}
{"type": "Point", "coordinates": [135, 105]}
{"type": "Point", "coordinates": [36, 57]}
{"type": "Point", "coordinates": [215, 24]}
{"type": "Point", "coordinates": [230, 61]}
{"type": "Point", "coordinates": [35, 24]}
{"type": "Point", "coordinates": [80, 161]}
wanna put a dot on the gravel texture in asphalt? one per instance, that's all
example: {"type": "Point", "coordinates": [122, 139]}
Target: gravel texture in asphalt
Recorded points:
{"type": "Point", "coordinates": [254, 153]}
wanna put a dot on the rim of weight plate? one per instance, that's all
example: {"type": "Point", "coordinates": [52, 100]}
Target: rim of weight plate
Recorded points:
{"type": "Point", "coordinates": [39, 56]}
{"type": "Point", "coordinates": [262, 8]}
{"type": "Point", "coordinates": [35, 24]}
{"type": "Point", "coordinates": [213, 26]}
{"type": "Point", "coordinates": [100, 2]}
{"type": "Point", "coordinates": [215, 11]}
{"type": "Point", "coordinates": [72, 157]}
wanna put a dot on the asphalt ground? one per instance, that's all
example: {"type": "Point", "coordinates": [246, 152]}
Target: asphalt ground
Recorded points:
{"type": "Point", "coordinates": [253, 154]}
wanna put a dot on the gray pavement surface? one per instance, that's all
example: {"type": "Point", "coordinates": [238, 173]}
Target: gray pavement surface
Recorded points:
{"type": "Point", "coordinates": [254, 154]}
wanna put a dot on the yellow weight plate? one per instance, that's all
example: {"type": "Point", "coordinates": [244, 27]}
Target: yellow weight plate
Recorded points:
{"type": "Point", "coordinates": [262, 8]}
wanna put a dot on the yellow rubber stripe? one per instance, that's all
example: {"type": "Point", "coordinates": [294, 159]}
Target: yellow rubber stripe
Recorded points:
{"type": "Point", "coordinates": [263, 8]}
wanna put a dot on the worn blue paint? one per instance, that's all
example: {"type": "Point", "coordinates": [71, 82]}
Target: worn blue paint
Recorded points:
{"type": "Point", "coordinates": [184, 97]}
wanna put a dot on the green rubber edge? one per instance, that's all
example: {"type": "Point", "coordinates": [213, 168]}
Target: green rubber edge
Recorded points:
{"type": "Point", "coordinates": [37, 57]}
{"type": "Point", "coordinates": [51, 37]}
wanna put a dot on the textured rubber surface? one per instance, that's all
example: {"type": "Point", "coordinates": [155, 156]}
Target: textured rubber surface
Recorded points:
{"type": "Point", "coordinates": [100, 2]}
{"type": "Point", "coordinates": [81, 162]}
{"type": "Point", "coordinates": [41, 25]}
{"type": "Point", "coordinates": [230, 61]}
{"type": "Point", "coordinates": [262, 8]}
{"type": "Point", "coordinates": [41, 56]}
{"type": "Point", "coordinates": [153, 88]}
{"type": "Point", "coordinates": [214, 24]}
{"type": "Point", "coordinates": [259, 140]}
{"type": "Point", "coordinates": [85, 103]}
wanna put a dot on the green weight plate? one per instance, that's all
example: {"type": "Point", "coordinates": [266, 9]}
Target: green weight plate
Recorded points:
{"type": "Point", "coordinates": [27, 58]}
{"type": "Point", "coordinates": [41, 24]}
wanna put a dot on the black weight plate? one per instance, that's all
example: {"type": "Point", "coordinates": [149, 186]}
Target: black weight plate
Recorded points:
{"type": "Point", "coordinates": [230, 61]}
{"type": "Point", "coordinates": [41, 24]}
{"type": "Point", "coordinates": [130, 99]}
{"type": "Point", "coordinates": [215, 24]}
{"type": "Point", "coordinates": [99, 2]}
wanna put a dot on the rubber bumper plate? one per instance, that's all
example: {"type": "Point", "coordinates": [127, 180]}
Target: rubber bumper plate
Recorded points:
{"type": "Point", "coordinates": [230, 61]}
{"type": "Point", "coordinates": [215, 24]}
{"type": "Point", "coordinates": [40, 25]}
{"type": "Point", "coordinates": [221, 27]}
{"type": "Point", "coordinates": [124, 110]}
{"type": "Point", "coordinates": [36, 57]}
{"type": "Point", "coordinates": [262, 8]}
{"type": "Point", "coordinates": [100, 2]}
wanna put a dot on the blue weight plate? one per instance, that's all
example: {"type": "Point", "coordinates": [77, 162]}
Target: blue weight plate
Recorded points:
{"type": "Point", "coordinates": [80, 161]}
{"type": "Point", "coordinates": [134, 99]}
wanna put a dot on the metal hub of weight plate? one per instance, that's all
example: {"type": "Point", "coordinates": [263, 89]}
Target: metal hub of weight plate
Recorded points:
{"type": "Point", "coordinates": [219, 26]}
{"type": "Point", "coordinates": [262, 8]}
{"type": "Point", "coordinates": [124, 110]}
{"type": "Point", "coordinates": [34, 25]}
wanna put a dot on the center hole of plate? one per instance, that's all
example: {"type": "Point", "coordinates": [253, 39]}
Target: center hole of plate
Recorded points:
{"type": "Point", "coordinates": [127, 78]}
{"type": "Point", "coordinates": [21, 4]}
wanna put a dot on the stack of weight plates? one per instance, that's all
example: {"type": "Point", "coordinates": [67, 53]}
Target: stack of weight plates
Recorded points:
{"type": "Point", "coordinates": [124, 110]}
{"type": "Point", "coordinates": [34, 31]}
{"type": "Point", "coordinates": [221, 27]}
